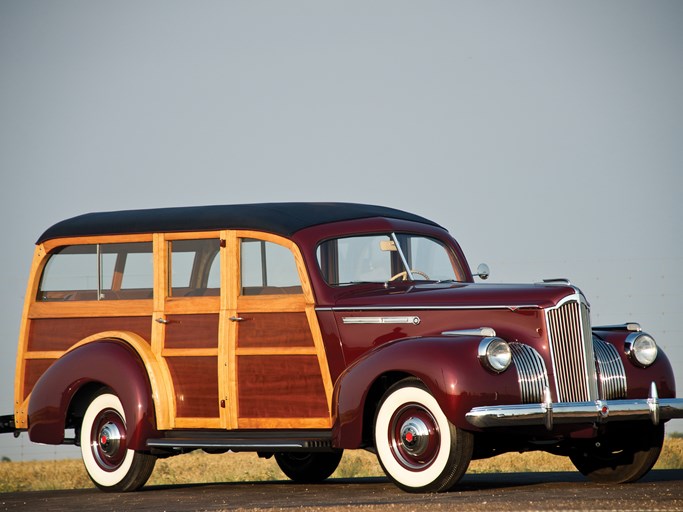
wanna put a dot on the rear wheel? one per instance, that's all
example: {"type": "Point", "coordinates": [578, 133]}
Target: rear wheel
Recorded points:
{"type": "Point", "coordinates": [418, 448]}
{"type": "Point", "coordinates": [109, 463]}
{"type": "Point", "coordinates": [622, 456]}
{"type": "Point", "coordinates": [310, 467]}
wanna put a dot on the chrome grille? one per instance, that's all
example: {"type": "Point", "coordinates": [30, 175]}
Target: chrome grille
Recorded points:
{"type": "Point", "coordinates": [531, 372]}
{"type": "Point", "coordinates": [571, 346]}
{"type": "Point", "coordinates": [611, 372]}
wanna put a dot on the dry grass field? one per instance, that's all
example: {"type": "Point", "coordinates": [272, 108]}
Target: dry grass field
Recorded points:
{"type": "Point", "coordinates": [199, 467]}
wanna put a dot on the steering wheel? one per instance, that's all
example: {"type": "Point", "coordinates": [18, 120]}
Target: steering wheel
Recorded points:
{"type": "Point", "coordinates": [404, 275]}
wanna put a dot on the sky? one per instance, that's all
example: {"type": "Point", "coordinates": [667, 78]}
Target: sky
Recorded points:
{"type": "Point", "coordinates": [545, 136]}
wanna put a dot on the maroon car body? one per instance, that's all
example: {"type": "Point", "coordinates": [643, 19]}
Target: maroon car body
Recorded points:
{"type": "Point", "coordinates": [300, 330]}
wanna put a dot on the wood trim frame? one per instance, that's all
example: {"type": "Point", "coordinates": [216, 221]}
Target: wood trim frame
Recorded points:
{"type": "Point", "coordinates": [21, 405]}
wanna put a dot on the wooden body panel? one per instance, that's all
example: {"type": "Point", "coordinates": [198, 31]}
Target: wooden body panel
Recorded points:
{"type": "Point", "coordinates": [281, 386]}
{"type": "Point", "coordinates": [59, 334]}
{"type": "Point", "coordinates": [205, 370]}
{"type": "Point", "coordinates": [191, 331]}
{"type": "Point", "coordinates": [195, 381]}
{"type": "Point", "coordinates": [274, 330]}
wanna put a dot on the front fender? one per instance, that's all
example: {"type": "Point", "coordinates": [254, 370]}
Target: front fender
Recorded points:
{"type": "Point", "coordinates": [447, 365]}
{"type": "Point", "coordinates": [109, 363]}
{"type": "Point", "coordinates": [639, 379]}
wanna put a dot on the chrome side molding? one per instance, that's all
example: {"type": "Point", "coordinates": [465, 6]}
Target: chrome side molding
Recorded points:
{"type": "Point", "coordinates": [414, 320]}
{"type": "Point", "coordinates": [487, 332]}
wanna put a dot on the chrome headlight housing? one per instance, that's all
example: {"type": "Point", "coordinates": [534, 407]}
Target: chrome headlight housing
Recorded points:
{"type": "Point", "coordinates": [641, 349]}
{"type": "Point", "coordinates": [495, 354]}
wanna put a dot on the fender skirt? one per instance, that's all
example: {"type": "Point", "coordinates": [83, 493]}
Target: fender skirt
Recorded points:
{"type": "Point", "coordinates": [109, 363]}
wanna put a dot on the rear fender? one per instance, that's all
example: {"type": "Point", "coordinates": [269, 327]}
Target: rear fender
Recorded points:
{"type": "Point", "coordinates": [106, 363]}
{"type": "Point", "coordinates": [447, 365]}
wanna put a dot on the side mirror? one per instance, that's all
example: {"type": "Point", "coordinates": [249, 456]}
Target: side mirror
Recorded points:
{"type": "Point", "coordinates": [483, 271]}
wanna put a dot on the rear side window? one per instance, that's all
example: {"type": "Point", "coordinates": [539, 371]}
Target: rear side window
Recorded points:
{"type": "Point", "coordinates": [195, 268]}
{"type": "Point", "coordinates": [98, 272]}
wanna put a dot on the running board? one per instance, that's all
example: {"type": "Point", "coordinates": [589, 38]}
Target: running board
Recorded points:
{"type": "Point", "coordinates": [298, 440]}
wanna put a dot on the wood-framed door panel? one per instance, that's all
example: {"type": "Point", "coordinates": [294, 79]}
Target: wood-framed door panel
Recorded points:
{"type": "Point", "coordinates": [277, 368]}
{"type": "Point", "coordinates": [188, 330]}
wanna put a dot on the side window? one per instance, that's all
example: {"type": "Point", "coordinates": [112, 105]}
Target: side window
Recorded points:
{"type": "Point", "coordinates": [70, 274]}
{"type": "Point", "coordinates": [126, 271]}
{"type": "Point", "coordinates": [358, 259]}
{"type": "Point", "coordinates": [267, 269]}
{"type": "Point", "coordinates": [194, 268]}
{"type": "Point", "coordinates": [98, 272]}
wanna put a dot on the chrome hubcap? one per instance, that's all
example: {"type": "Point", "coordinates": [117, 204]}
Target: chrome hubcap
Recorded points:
{"type": "Point", "coordinates": [415, 436]}
{"type": "Point", "coordinates": [109, 439]}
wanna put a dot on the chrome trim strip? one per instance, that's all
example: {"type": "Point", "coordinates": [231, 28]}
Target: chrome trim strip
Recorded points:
{"type": "Point", "coordinates": [414, 320]}
{"type": "Point", "coordinates": [237, 445]}
{"type": "Point", "coordinates": [482, 331]}
{"type": "Point", "coordinates": [360, 309]}
{"type": "Point", "coordinates": [630, 326]}
{"type": "Point", "coordinates": [600, 411]}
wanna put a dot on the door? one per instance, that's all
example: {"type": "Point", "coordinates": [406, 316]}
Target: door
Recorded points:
{"type": "Point", "coordinates": [188, 325]}
{"type": "Point", "coordinates": [277, 368]}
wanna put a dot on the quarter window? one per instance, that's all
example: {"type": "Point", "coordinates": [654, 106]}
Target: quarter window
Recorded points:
{"type": "Point", "coordinates": [98, 272]}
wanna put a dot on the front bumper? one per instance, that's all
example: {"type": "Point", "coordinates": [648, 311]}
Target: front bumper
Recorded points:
{"type": "Point", "coordinates": [601, 411]}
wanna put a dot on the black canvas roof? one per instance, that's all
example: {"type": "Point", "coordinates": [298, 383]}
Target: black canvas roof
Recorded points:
{"type": "Point", "coordinates": [279, 218]}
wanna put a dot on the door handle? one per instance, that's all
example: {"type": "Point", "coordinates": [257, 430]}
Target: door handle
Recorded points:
{"type": "Point", "coordinates": [236, 319]}
{"type": "Point", "coordinates": [163, 321]}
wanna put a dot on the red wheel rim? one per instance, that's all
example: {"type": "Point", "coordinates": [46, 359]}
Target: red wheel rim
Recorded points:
{"type": "Point", "coordinates": [414, 437]}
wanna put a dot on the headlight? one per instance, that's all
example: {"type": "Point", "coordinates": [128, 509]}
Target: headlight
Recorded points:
{"type": "Point", "coordinates": [495, 354]}
{"type": "Point", "coordinates": [641, 349]}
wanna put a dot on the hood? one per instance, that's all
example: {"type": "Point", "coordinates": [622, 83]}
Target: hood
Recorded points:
{"type": "Point", "coordinates": [456, 295]}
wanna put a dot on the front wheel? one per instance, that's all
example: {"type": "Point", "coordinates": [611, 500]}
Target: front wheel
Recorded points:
{"type": "Point", "coordinates": [622, 456]}
{"type": "Point", "coordinates": [309, 468]}
{"type": "Point", "coordinates": [418, 448]}
{"type": "Point", "coordinates": [109, 463]}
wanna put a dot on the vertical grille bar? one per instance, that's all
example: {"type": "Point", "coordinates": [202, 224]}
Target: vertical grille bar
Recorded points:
{"type": "Point", "coordinates": [531, 372]}
{"type": "Point", "coordinates": [571, 347]}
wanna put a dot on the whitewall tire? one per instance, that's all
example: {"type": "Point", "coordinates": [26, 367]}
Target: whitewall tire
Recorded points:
{"type": "Point", "coordinates": [109, 463]}
{"type": "Point", "coordinates": [418, 448]}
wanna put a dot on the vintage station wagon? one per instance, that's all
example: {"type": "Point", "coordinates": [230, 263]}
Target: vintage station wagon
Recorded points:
{"type": "Point", "coordinates": [299, 330]}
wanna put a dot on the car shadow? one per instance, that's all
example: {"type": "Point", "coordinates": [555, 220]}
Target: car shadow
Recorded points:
{"type": "Point", "coordinates": [470, 482]}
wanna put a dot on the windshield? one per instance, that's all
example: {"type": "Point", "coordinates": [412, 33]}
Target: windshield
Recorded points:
{"type": "Point", "coordinates": [386, 257]}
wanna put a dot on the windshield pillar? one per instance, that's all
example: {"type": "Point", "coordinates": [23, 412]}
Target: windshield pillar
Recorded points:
{"type": "Point", "coordinates": [402, 256]}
